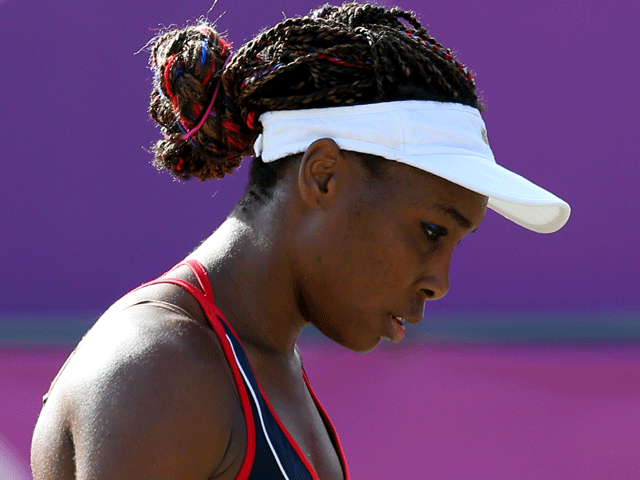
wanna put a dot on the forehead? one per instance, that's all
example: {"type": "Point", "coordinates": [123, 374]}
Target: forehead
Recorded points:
{"type": "Point", "coordinates": [410, 187]}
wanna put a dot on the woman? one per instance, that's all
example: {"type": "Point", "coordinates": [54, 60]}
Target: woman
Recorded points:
{"type": "Point", "coordinates": [371, 163]}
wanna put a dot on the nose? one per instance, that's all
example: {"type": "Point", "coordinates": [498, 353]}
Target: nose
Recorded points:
{"type": "Point", "coordinates": [434, 283]}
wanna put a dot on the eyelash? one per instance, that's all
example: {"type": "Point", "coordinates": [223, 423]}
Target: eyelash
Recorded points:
{"type": "Point", "coordinates": [433, 231]}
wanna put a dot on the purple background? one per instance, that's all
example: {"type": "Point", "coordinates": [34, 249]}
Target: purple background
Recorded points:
{"type": "Point", "coordinates": [437, 411]}
{"type": "Point", "coordinates": [85, 217]}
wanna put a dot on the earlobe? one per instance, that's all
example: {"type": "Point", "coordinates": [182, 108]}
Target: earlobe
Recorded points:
{"type": "Point", "coordinates": [317, 174]}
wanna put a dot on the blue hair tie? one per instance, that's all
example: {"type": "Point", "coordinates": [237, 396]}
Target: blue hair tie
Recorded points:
{"type": "Point", "coordinates": [203, 53]}
{"type": "Point", "coordinates": [156, 80]}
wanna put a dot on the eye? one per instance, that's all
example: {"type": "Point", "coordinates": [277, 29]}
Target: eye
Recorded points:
{"type": "Point", "coordinates": [433, 231]}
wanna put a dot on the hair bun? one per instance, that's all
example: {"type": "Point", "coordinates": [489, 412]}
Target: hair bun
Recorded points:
{"type": "Point", "coordinates": [204, 136]}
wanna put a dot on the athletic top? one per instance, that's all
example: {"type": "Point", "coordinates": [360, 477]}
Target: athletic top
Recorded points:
{"type": "Point", "coordinates": [272, 453]}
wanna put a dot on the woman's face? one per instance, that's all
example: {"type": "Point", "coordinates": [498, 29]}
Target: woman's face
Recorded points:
{"type": "Point", "coordinates": [380, 251]}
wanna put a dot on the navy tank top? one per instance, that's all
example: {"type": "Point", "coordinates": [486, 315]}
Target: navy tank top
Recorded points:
{"type": "Point", "coordinates": [271, 453]}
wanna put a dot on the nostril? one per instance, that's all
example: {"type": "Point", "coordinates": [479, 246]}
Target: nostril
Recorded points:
{"type": "Point", "coordinates": [429, 293]}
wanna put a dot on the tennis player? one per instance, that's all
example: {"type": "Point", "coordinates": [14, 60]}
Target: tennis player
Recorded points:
{"type": "Point", "coordinates": [371, 162]}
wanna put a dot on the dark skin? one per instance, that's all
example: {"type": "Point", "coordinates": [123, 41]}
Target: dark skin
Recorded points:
{"type": "Point", "coordinates": [148, 393]}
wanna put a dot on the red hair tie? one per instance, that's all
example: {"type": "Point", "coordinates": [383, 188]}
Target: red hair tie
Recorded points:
{"type": "Point", "coordinates": [190, 133]}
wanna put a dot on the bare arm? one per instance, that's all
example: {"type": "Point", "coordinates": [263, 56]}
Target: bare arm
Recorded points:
{"type": "Point", "coordinates": [147, 395]}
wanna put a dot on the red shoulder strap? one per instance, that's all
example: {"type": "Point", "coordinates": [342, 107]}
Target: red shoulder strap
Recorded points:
{"type": "Point", "coordinates": [204, 296]}
{"type": "Point", "coordinates": [329, 426]}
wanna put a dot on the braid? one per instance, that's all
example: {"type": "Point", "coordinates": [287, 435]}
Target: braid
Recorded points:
{"type": "Point", "coordinates": [202, 135]}
{"type": "Point", "coordinates": [317, 61]}
{"type": "Point", "coordinates": [337, 55]}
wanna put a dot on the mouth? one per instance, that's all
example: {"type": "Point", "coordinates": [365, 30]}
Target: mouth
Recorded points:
{"type": "Point", "coordinates": [398, 329]}
{"type": "Point", "coordinates": [409, 320]}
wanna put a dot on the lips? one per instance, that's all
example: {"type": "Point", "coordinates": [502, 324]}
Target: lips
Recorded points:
{"type": "Point", "coordinates": [410, 320]}
{"type": "Point", "coordinates": [397, 328]}
{"type": "Point", "coordinates": [396, 325]}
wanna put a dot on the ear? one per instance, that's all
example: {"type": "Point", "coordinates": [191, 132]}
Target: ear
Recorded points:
{"type": "Point", "coordinates": [320, 169]}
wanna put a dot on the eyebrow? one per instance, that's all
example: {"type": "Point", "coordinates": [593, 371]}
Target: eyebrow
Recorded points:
{"type": "Point", "coordinates": [460, 219]}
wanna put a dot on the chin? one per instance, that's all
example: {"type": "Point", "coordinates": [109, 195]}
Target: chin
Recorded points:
{"type": "Point", "coordinates": [356, 343]}
{"type": "Point", "coordinates": [359, 345]}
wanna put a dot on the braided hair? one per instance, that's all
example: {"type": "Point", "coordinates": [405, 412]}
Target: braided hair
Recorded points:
{"type": "Point", "coordinates": [207, 101]}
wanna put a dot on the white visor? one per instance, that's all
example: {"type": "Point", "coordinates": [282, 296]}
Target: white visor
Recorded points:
{"type": "Point", "coordinates": [446, 139]}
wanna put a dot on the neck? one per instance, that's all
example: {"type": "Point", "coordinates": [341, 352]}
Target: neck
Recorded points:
{"type": "Point", "coordinates": [253, 283]}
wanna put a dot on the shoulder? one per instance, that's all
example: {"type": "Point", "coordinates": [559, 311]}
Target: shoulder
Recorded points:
{"type": "Point", "coordinates": [148, 393]}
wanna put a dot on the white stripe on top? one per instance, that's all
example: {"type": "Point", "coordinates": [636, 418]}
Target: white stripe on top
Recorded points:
{"type": "Point", "coordinates": [255, 399]}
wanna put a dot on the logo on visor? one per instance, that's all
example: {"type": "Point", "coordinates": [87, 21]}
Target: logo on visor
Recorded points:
{"type": "Point", "coordinates": [485, 138]}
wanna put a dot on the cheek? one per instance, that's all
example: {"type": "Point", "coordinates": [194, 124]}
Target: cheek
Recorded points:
{"type": "Point", "coordinates": [343, 279]}
{"type": "Point", "coordinates": [356, 263]}
{"type": "Point", "coordinates": [377, 264]}
{"type": "Point", "coordinates": [352, 284]}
